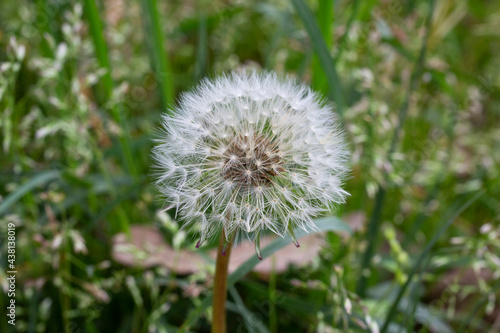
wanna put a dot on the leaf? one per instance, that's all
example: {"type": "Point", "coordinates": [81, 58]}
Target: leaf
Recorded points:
{"type": "Point", "coordinates": [201, 50]}
{"type": "Point", "coordinates": [324, 14]}
{"type": "Point", "coordinates": [38, 180]}
{"type": "Point", "coordinates": [101, 52]}
{"type": "Point", "coordinates": [326, 61]}
{"type": "Point", "coordinates": [158, 53]}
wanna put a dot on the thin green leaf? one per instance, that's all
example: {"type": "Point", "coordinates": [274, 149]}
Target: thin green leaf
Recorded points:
{"type": "Point", "coordinates": [101, 50]}
{"type": "Point", "coordinates": [158, 53]}
{"type": "Point", "coordinates": [201, 50]}
{"type": "Point", "coordinates": [325, 19]}
{"type": "Point", "coordinates": [38, 180]}
{"type": "Point", "coordinates": [324, 57]}
{"type": "Point", "coordinates": [96, 30]}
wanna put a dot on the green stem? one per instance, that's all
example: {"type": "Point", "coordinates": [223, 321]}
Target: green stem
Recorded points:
{"type": "Point", "coordinates": [220, 287]}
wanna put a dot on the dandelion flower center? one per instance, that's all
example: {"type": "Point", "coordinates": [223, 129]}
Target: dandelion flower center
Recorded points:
{"type": "Point", "coordinates": [251, 161]}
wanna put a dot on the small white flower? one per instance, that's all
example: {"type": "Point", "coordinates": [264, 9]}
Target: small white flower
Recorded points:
{"type": "Point", "coordinates": [250, 152]}
{"type": "Point", "coordinates": [348, 306]}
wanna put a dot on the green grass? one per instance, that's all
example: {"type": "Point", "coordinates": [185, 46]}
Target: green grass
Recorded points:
{"type": "Point", "coordinates": [159, 56]}
{"type": "Point", "coordinates": [374, 225]}
{"type": "Point", "coordinates": [324, 14]}
{"type": "Point", "coordinates": [321, 51]}
{"type": "Point", "coordinates": [101, 52]}
{"type": "Point", "coordinates": [82, 88]}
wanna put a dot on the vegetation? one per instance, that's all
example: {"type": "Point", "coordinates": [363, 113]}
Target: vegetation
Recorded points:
{"type": "Point", "coordinates": [416, 83]}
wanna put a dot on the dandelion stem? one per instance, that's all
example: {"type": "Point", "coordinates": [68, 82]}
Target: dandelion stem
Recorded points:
{"type": "Point", "coordinates": [220, 286]}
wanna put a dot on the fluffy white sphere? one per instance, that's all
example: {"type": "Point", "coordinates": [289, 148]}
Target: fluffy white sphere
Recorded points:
{"type": "Point", "coordinates": [250, 152]}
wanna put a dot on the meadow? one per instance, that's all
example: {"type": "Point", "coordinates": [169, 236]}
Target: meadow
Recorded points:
{"type": "Point", "coordinates": [415, 247]}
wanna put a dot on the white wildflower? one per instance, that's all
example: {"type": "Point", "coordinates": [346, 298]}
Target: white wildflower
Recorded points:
{"type": "Point", "coordinates": [250, 152]}
{"type": "Point", "coordinates": [372, 324]}
{"type": "Point", "coordinates": [348, 306]}
{"type": "Point", "coordinates": [78, 242]}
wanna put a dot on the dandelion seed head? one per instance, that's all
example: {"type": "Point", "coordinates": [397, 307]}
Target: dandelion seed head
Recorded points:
{"type": "Point", "coordinates": [249, 152]}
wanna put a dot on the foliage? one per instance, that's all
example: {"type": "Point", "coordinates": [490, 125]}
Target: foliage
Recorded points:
{"type": "Point", "coordinates": [82, 87]}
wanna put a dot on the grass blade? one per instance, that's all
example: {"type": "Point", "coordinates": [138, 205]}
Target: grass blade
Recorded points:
{"type": "Point", "coordinates": [201, 50]}
{"type": "Point", "coordinates": [321, 49]}
{"type": "Point", "coordinates": [324, 224]}
{"type": "Point", "coordinates": [158, 53]}
{"type": "Point", "coordinates": [325, 19]}
{"type": "Point", "coordinates": [38, 180]}
{"type": "Point", "coordinates": [101, 50]}
{"type": "Point", "coordinates": [421, 258]}
{"type": "Point", "coordinates": [96, 30]}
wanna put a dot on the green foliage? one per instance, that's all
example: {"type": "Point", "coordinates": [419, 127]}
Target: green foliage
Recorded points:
{"type": "Point", "coordinates": [417, 85]}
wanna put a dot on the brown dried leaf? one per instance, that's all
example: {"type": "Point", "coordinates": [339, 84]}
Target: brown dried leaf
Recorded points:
{"type": "Point", "coordinates": [148, 248]}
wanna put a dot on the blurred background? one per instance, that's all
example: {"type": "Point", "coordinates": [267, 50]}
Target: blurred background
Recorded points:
{"type": "Point", "coordinates": [415, 83]}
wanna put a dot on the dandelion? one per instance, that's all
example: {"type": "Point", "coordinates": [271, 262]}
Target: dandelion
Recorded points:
{"type": "Point", "coordinates": [247, 153]}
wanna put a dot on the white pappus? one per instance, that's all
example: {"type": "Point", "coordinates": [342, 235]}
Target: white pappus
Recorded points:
{"type": "Point", "coordinates": [249, 152]}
